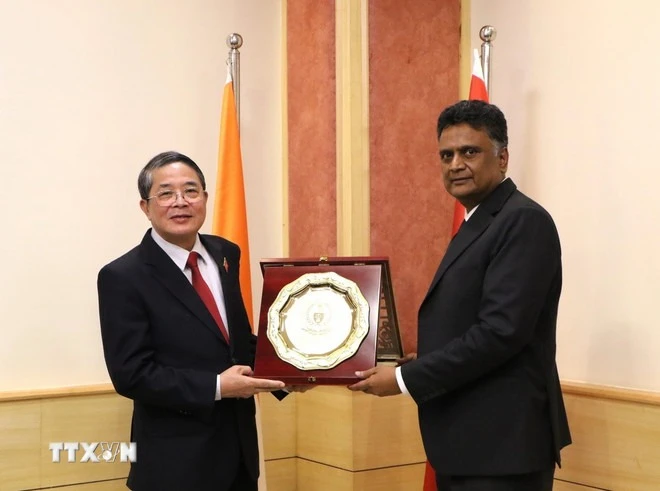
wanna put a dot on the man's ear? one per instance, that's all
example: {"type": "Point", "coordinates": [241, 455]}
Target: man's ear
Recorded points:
{"type": "Point", "coordinates": [504, 160]}
{"type": "Point", "coordinates": [144, 206]}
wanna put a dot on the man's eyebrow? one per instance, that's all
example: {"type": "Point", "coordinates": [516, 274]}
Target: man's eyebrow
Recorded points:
{"type": "Point", "coordinates": [461, 149]}
{"type": "Point", "coordinates": [187, 183]}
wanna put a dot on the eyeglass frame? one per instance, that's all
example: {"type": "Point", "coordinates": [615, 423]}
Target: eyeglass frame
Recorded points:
{"type": "Point", "coordinates": [177, 194]}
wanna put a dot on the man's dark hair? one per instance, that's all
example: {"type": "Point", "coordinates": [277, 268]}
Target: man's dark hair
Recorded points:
{"type": "Point", "coordinates": [480, 116]}
{"type": "Point", "coordinates": [146, 180]}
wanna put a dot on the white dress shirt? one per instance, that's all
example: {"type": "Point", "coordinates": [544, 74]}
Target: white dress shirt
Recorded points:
{"type": "Point", "coordinates": [209, 270]}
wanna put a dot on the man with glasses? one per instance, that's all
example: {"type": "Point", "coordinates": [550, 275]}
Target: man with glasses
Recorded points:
{"type": "Point", "coordinates": [177, 341]}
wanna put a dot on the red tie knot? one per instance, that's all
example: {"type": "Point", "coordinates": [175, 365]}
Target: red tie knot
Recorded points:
{"type": "Point", "coordinates": [192, 260]}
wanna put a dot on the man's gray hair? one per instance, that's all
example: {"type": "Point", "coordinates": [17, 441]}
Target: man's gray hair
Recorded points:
{"type": "Point", "coordinates": [146, 180]}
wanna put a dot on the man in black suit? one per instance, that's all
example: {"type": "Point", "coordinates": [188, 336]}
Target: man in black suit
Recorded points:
{"type": "Point", "coordinates": [484, 377]}
{"type": "Point", "coordinates": [177, 341]}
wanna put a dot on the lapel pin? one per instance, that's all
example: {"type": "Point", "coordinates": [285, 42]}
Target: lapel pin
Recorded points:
{"type": "Point", "coordinates": [225, 264]}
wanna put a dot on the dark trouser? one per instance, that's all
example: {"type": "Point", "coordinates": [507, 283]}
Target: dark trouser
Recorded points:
{"type": "Point", "coordinates": [536, 481]}
{"type": "Point", "coordinates": [243, 481]}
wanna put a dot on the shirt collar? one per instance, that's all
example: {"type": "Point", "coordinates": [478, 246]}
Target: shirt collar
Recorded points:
{"type": "Point", "coordinates": [178, 254]}
{"type": "Point", "coordinates": [471, 212]}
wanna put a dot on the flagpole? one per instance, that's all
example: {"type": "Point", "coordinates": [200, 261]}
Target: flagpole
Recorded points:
{"type": "Point", "coordinates": [487, 34]}
{"type": "Point", "coordinates": [234, 42]}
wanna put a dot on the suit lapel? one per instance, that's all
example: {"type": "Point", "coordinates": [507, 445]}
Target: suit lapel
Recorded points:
{"type": "Point", "coordinates": [466, 235]}
{"type": "Point", "coordinates": [473, 228]}
{"type": "Point", "coordinates": [172, 278]}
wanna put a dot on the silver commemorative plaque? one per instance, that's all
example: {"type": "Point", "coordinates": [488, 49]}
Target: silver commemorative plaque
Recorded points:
{"type": "Point", "coordinates": [318, 321]}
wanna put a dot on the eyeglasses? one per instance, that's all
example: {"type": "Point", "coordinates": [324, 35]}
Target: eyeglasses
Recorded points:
{"type": "Point", "coordinates": [169, 197]}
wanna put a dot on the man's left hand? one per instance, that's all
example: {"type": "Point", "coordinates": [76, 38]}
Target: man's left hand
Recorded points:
{"type": "Point", "coordinates": [379, 381]}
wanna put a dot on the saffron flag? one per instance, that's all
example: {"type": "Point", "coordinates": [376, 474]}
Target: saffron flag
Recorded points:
{"type": "Point", "coordinates": [478, 91]}
{"type": "Point", "coordinates": [229, 212]}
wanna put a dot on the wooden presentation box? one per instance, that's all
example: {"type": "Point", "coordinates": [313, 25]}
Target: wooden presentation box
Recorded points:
{"type": "Point", "coordinates": [323, 319]}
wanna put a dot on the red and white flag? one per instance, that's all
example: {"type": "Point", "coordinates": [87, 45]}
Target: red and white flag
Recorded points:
{"type": "Point", "coordinates": [478, 90]}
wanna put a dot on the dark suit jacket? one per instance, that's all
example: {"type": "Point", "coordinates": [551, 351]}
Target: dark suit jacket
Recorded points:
{"type": "Point", "coordinates": [163, 351]}
{"type": "Point", "coordinates": [485, 380]}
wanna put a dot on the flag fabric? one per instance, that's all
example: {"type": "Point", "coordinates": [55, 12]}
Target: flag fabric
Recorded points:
{"type": "Point", "coordinates": [479, 92]}
{"type": "Point", "coordinates": [429, 478]}
{"type": "Point", "coordinates": [230, 215]}
{"type": "Point", "coordinates": [229, 212]}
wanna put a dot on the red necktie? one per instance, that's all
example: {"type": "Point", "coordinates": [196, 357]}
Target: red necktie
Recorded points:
{"type": "Point", "coordinates": [205, 294]}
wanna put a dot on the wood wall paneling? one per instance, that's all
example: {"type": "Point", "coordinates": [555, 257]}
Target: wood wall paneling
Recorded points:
{"type": "Point", "coordinates": [28, 424]}
{"type": "Point", "coordinates": [616, 435]}
{"type": "Point", "coordinates": [357, 432]}
{"type": "Point", "coordinates": [111, 485]}
{"type": "Point", "coordinates": [569, 486]}
{"type": "Point", "coordinates": [616, 444]}
{"type": "Point", "coordinates": [278, 426]}
{"type": "Point", "coordinates": [281, 475]}
{"type": "Point", "coordinates": [314, 476]}
{"type": "Point", "coordinates": [325, 431]}
{"type": "Point", "coordinates": [20, 443]}
{"type": "Point", "coordinates": [97, 418]}
{"type": "Point", "coordinates": [400, 478]}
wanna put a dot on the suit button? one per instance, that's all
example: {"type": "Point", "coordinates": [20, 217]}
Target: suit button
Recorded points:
{"type": "Point", "coordinates": [234, 361]}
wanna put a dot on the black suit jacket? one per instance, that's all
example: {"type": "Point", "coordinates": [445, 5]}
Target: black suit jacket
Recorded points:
{"type": "Point", "coordinates": [485, 380]}
{"type": "Point", "coordinates": [163, 350]}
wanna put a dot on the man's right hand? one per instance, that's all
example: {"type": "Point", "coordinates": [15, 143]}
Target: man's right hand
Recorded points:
{"type": "Point", "coordinates": [237, 381]}
{"type": "Point", "coordinates": [406, 359]}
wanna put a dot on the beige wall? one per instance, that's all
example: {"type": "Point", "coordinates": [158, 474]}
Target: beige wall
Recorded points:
{"type": "Point", "coordinates": [89, 91]}
{"type": "Point", "coordinates": [578, 82]}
